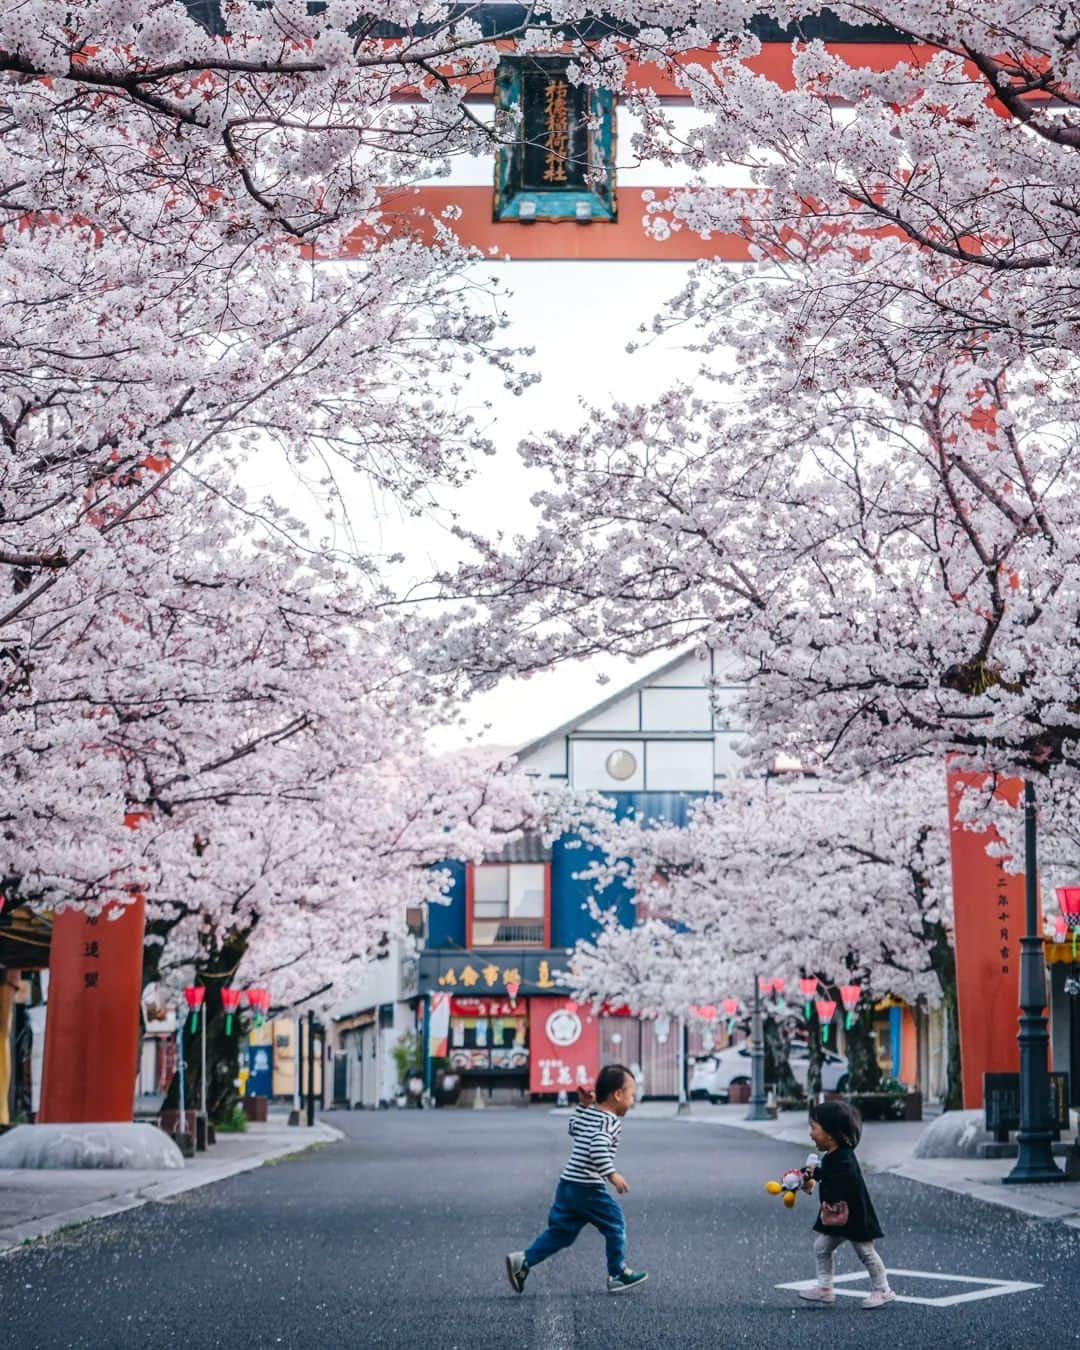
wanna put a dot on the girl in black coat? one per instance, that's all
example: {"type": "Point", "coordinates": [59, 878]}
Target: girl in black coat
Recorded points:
{"type": "Point", "coordinates": [847, 1214]}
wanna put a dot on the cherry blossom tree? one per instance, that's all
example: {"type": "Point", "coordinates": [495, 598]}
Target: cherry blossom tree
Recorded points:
{"type": "Point", "coordinates": [224, 726]}
{"type": "Point", "coordinates": [174, 193]}
{"type": "Point", "coordinates": [868, 489]}
{"type": "Point", "coordinates": [844, 882]}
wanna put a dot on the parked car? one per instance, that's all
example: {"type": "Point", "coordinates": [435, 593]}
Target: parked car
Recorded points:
{"type": "Point", "coordinates": [713, 1075]}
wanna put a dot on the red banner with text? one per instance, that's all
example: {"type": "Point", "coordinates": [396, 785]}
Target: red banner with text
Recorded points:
{"type": "Point", "coordinates": [564, 1045]}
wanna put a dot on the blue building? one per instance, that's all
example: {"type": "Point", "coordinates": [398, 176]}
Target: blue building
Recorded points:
{"type": "Point", "coordinates": [489, 971]}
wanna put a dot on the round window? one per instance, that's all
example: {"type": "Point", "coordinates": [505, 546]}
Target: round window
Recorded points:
{"type": "Point", "coordinates": [621, 764]}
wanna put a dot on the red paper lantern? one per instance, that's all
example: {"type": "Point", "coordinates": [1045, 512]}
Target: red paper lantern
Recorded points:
{"type": "Point", "coordinates": [765, 985]}
{"type": "Point", "coordinates": [826, 1011]}
{"type": "Point", "coordinates": [1069, 900]}
{"type": "Point", "coordinates": [194, 994]}
{"type": "Point", "coordinates": [512, 987]}
{"type": "Point", "coordinates": [807, 990]}
{"type": "Point", "coordinates": [730, 1007]}
{"type": "Point", "coordinates": [706, 1011]}
{"type": "Point", "coordinates": [230, 1001]}
{"type": "Point", "coordinates": [850, 995]}
{"type": "Point", "coordinates": [259, 1003]}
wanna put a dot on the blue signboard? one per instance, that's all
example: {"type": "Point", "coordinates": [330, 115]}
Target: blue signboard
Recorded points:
{"type": "Point", "coordinates": [261, 1070]}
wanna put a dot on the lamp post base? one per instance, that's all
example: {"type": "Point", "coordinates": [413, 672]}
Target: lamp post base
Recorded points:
{"type": "Point", "coordinates": [1035, 1161]}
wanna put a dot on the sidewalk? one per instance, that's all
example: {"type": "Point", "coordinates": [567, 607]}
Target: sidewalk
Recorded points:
{"type": "Point", "coordinates": [34, 1203]}
{"type": "Point", "coordinates": [889, 1147]}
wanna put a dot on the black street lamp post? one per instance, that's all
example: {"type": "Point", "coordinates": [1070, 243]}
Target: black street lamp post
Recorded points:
{"type": "Point", "coordinates": [1035, 1159]}
{"type": "Point", "coordinates": [757, 1059]}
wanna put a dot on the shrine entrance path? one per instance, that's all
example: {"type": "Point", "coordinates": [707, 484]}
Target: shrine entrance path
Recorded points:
{"type": "Point", "coordinates": [395, 1237]}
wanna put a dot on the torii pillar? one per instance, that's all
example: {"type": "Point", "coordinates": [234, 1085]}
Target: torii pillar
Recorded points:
{"type": "Point", "coordinates": [92, 1025]}
{"type": "Point", "coordinates": [988, 923]}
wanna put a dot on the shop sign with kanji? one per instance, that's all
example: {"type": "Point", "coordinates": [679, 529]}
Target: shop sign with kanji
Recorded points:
{"type": "Point", "coordinates": [515, 974]}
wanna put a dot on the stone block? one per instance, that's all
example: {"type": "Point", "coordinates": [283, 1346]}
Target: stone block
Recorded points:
{"type": "Point", "coordinates": [139, 1146]}
{"type": "Point", "coordinates": [955, 1134]}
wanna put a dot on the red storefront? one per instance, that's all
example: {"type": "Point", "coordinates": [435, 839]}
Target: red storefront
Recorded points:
{"type": "Point", "coordinates": [536, 1044]}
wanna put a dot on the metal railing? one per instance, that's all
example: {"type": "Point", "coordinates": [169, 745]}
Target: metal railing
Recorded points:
{"type": "Point", "coordinates": [508, 932]}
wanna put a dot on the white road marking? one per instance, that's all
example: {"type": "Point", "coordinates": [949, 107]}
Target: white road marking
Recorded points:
{"type": "Point", "coordinates": [987, 1288]}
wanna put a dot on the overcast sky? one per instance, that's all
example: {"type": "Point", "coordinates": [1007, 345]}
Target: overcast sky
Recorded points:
{"type": "Point", "coordinates": [579, 317]}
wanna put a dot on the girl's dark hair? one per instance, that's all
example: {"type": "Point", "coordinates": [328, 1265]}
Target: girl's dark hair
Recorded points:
{"type": "Point", "coordinates": [610, 1079]}
{"type": "Point", "coordinates": [840, 1120]}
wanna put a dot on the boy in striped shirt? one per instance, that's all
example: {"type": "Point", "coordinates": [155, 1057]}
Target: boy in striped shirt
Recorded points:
{"type": "Point", "coordinates": [581, 1196]}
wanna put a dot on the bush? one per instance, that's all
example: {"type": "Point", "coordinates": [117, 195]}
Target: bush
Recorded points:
{"type": "Point", "coordinates": [234, 1124]}
{"type": "Point", "coordinates": [406, 1055]}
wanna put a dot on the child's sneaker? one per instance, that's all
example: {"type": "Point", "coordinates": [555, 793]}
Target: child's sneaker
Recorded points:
{"type": "Point", "coordinates": [818, 1295]}
{"type": "Point", "coordinates": [517, 1271]}
{"type": "Point", "coordinates": [878, 1299]}
{"type": "Point", "coordinates": [627, 1279]}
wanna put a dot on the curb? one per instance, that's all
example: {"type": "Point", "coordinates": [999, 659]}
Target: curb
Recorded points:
{"type": "Point", "coordinates": [1030, 1206]}
{"type": "Point", "coordinates": [160, 1192]}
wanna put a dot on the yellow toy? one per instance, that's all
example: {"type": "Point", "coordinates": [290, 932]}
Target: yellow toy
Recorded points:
{"type": "Point", "coordinates": [792, 1181]}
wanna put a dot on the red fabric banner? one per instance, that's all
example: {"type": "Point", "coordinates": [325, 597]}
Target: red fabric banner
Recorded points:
{"type": "Point", "coordinates": [988, 906]}
{"type": "Point", "coordinates": [564, 1045]}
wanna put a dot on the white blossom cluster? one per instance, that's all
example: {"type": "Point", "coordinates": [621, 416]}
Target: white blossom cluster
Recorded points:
{"type": "Point", "coordinates": [847, 883]}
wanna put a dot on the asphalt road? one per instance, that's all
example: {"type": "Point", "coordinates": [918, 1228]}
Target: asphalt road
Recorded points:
{"type": "Point", "coordinates": [396, 1237]}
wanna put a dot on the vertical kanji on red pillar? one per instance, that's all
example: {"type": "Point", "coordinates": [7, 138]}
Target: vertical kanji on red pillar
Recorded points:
{"type": "Point", "coordinates": [92, 1026]}
{"type": "Point", "coordinates": [988, 905]}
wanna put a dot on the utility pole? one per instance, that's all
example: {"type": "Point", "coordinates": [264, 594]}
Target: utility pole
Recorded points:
{"type": "Point", "coordinates": [310, 1068]}
{"type": "Point", "coordinates": [682, 1061]}
{"type": "Point", "coordinates": [1035, 1156]}
{"type": "Point", "coordinates": [757, 1059]}
{"type": "Point", "coordinates": [298, 1070]}
{"type": "Point", "coordinates": [202, 1098]}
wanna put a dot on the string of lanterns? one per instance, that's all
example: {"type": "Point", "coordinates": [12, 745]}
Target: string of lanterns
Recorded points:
{"type": "Point", "coordinates": [774, 987]}
{"type": "Point", "coordinates": [258, 1000]}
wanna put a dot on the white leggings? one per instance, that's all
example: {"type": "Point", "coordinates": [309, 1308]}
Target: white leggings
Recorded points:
{"type": "Point", "coordinates": [825, 1245]}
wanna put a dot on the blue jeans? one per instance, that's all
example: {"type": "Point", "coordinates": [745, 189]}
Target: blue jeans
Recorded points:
{"type": "Point", "coordinates": [575, 1205]}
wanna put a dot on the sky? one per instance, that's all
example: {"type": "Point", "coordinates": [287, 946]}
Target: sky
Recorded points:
{"type": "Point", "coordinates": [579, 317]}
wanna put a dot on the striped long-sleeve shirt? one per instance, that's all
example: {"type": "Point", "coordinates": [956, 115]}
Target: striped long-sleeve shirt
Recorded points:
{"type": "Point", "coordinates": [596, 1137]}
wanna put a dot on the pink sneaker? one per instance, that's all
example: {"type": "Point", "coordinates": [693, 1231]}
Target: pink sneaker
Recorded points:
{"type": "Point", "coordinates": [820, 1295]}
{"type": "Point", "coordinates": [878, 1299]}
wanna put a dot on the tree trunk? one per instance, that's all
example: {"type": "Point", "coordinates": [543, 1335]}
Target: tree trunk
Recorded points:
{"type": "Point", "coordinates": [777, 1064]}
{"type": "Point", "coordinates": [222, 1051]}
{"type": "Point", "coordinates": [864, 1071]}
{"type": "Point", "coordinates": [943, 963]}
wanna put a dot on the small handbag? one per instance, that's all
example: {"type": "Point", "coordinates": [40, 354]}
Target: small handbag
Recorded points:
{"type": "Point", "coordinates": [834, 1216]}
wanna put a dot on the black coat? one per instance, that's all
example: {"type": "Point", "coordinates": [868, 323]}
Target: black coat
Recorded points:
{"type": "Point", "coordinates": [840, 1178]}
